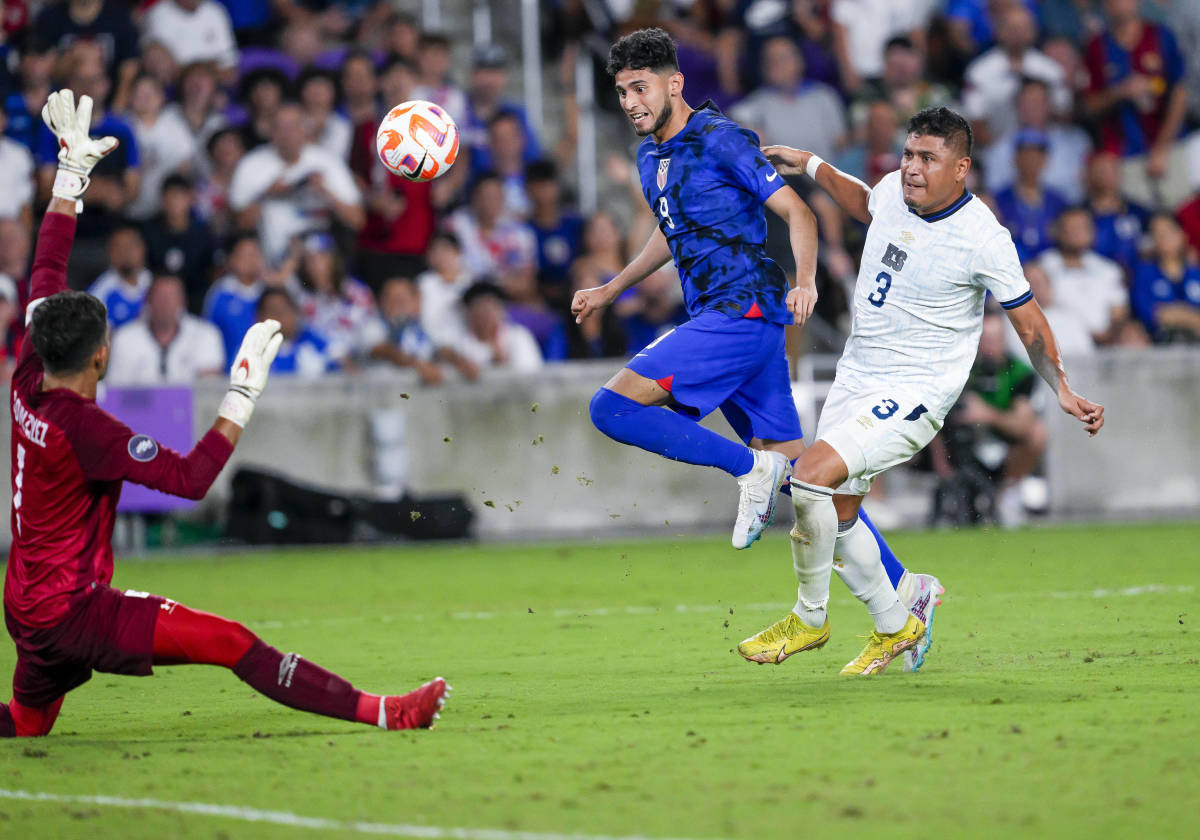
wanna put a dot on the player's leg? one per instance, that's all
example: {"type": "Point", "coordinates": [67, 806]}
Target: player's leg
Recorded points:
{"type": "Point", "coordinates": [20, 721]}
{"type": "Point", "coordinates": [186, 636]}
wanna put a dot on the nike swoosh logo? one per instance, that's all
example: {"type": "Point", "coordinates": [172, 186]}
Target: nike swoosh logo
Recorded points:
{"type": "Point", "coordinates": [772, 177]}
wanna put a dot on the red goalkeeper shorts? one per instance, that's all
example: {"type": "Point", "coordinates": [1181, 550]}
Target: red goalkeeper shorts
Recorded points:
{"type": "Point", "coordinates": [107, 630]}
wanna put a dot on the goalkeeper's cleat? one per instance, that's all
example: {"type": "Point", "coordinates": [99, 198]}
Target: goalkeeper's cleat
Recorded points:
{"type": "Point", "coordinates": [782, 639]}
{"type": "Point", "coordinates": [759, 489]}
{"type": "Point", "coordinates": [882, 648]}
{"type": "Point", "coordinates": [416, 710]}
{"type": "Point", "coordinates": [921, 594]}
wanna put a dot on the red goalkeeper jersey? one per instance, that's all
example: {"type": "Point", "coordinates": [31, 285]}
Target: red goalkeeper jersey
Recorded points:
{"type": "Point", "coordinates": [69, 458]}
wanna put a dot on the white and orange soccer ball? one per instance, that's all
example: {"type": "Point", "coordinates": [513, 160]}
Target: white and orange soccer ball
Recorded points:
{"type": "Point", "coordinates": [417, 140]}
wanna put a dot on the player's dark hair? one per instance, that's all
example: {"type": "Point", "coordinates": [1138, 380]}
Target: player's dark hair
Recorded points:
{"type": "Point", "coordinates": [942, 122]}
{"type": "Point", "coordinates": [645, 49]}
{"type": "Point", "coordinates": [68, 327]}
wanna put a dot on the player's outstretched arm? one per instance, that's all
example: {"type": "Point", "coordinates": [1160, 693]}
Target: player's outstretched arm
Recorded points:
{"type": "Point", "coordinates": [77, 155]}
{"type": "Point", "coordinates": [802, 233]}
{"type": "Point", "coordinates": [654, 256]}
{"type": "Point", "coordinates": [1035, 333]}
{"type": "Point", "coordinates": [248, 378]}
{"type": "Point", "coordinates": [850, 193]}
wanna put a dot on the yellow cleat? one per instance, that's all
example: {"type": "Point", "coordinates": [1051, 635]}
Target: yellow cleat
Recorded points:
{"type": "Point", "coordinates": [882, 648]}
{"type": "Point", "coordinates": [785, 637]}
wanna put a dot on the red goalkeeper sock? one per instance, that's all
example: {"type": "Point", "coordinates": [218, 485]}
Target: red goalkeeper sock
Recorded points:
{"type": "Point", "coordinates": [298, 683]}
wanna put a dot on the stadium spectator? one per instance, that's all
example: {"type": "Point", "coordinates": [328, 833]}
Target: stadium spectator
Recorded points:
{"type": "Point", "coordinates": [1067, 147]}
{"type": "Point", "coordinates": [507, 142]}
{"type": "Point", "coordinates": [106, 23]}
{"type": "Point", "coordinates": [199, 95]}
{"type": "Point", "coordinates": [360, 91]}
{"type": "Point", "coordinates": [166, 144]}
{"type": "Point", "coordinates": [319, 96]}
{"type": "Point", "coordinates": [559, 232]}
{"type": "Point", "coordinates": [400, 212]}
{"type": "Point", "coordinates": [402, 35]}
{"type": "Point", "coordinates": [261, 92]}
{"type": "Point", "coordinates": [166, 344]}
{"type": "Point", "coordinates": [861, 30]}
{"type": "Point", "coordinates": [1070, 331]}
{"type": "Point", "coordinates": [874, 151]}
{"type": "Point", "coordinates": [291, 187]}
{"type": "Point", "coordinates": [23, 103]}
{"type": "Point", "coordinates": [114, 181]}
{"type": "Point", "coordinates": [485, 99]}
{"type": "Point", "coordinates": [995, 420]}
{"type": "Point", "coordinates": [1136, 93]}
{"type": "Point", "coordinates": [493, 244]}
{"type": "Point", "coordinates": [492, 341]}
{"type": "Point", "coordinates": [1166, 286]}
{"type": "Point", "coordinates": [1028, 208]}
{"type": "Point", "coordinates": [302, 42]}
{"type": "Point", "coordinates": [123, 285]}
{"type": "Point", "coordinates": [1189, 219]}
{"type": "Point", "coordinates": [304, 353]}
{"type": "Point", "coordinates": [336, 306]}
{"type": "Point", "coordinates": [602, 337]}
{"type": "Point", "coordinates": [992, 80]}
{"type": "Point", "coordinates": [1084, 281]}
{"type": "Point", "coordinates": [225, 150]}
{"type": "Point", "coordinates": [790, 109]}
{"type": "Point", "coordinates": [1119, 223]}
{"type": "Point", "coordinates": [434, 83]}
{"type": "Point", "coordinates": [9, 306]}
{"type": "Point", "coordinates": [903, 83]}
{"type": "Point", "coordinates": [743, 29]}
{"type": "Point", "coordinates": [193, 30]}
{"type": "Point", "coordinates": [179, 242]}
{"type": "Point", "coordinates": [16, 177]}
{"type": "Point", "coordinates": [396, 336]}
{"type": "Point", "coordinates": [231, 301]}
{"type": "Point", "coordinates": [1182, 18]}
{"type": "Point", "coordinates": [441, 289]}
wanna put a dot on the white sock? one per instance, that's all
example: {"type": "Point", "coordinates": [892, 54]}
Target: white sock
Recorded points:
{"type": "Point", "coordinates": [812, 550]}
{"type": "Point", "coordinates": [856, 560]}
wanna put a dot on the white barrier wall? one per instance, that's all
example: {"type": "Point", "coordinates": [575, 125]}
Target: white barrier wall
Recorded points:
{"type": "Point", "coordinates": [560, 476]}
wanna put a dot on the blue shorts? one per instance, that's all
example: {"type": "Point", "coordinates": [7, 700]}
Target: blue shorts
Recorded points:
{"type": "Point", "coordinates": [735, 364]}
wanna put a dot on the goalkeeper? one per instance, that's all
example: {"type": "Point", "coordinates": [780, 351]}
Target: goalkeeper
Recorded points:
{"type": "Point", "coordinates": [69, 459]}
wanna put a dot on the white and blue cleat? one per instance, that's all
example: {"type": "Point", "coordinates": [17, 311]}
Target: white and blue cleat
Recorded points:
{"type": "Point", "coordinates": [921, 594]}
{"type": "Point", "coordinates": [759, 491]}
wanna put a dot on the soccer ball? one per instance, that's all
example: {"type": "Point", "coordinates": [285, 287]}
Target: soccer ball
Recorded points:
{"type": "Point", "coordinates": [417, 140]}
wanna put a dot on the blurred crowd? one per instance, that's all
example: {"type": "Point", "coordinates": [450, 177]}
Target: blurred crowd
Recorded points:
{"type": "Point", "coordinates": [246, 183]}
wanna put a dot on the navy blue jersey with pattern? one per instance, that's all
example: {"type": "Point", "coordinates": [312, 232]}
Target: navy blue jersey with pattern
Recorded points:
{"type": "Point", "coordinates": [707, 186]}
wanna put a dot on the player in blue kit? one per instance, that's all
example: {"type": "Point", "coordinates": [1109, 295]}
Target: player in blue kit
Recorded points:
{"type": "Point", "coordinates": [707, 182]}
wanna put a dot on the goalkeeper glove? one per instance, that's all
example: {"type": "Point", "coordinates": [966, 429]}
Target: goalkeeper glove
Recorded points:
{"type": "Point", "coordinates": [249, 374]}
{"type": "Point", "coordinates": [77, 152]}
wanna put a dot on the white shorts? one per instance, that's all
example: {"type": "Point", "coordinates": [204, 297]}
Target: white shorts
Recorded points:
{"type": "Point", "coordinates": [873, 431]}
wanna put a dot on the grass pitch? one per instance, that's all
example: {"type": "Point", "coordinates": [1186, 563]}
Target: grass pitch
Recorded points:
{"type": "Point", "coordinates": [596, 693]}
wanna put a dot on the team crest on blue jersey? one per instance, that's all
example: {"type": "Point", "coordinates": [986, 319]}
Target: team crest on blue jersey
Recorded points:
{"type": "Point", "coordinates": [142, 448]}
{"type": "Point", "coordinates": [663, 165]}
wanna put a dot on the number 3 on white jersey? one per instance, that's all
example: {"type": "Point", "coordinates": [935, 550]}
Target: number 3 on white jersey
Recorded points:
{"type": "Point", "coordinates": [665, 211]}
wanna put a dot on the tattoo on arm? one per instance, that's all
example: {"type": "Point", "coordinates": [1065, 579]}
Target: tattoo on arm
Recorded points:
{"type": "Point", "coordinates": [1050, 369]}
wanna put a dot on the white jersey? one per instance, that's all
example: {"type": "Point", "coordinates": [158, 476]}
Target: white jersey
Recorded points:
{"type": "Point", "coordinates": [918, 302]}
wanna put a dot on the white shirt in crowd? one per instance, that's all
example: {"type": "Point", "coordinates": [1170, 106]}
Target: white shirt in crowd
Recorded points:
{"type": "Point", "coordinates": [165, 147]}
{"type": "Point", "coordinates": [521, 351]}
{"type": "Point", "coordinates": [441, 308]}
{"type": "Point", "coordinates": [205, 34]}
{"type": "Point", "coordinates": [137, 358]}
{"type": "Point", "coordinates": [810, 117]}
{"type": "Point", "coordinates": [990, 86]}
{"type": "Point", "coordinates": [337, 136]}
{"type": "Point", "coordinates": [870, 24]}
{"type": "Point", "coordinates": [1070, 333]}
{"type": "Point", "coordinates": [303, 208]}
{"type": "Point", "coordinates": [1092, 289]}
{"type": "Point", "coordinates": [16, 178]}
{"type": "Point", "coordinates": [918, 302]}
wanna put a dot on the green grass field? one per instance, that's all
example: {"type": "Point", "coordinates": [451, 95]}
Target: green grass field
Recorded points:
{"type": "Point", "coordinates": [596, 693]}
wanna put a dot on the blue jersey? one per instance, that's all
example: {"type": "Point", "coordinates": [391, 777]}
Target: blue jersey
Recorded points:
{"type": "Point", "coordinates": [306, 355]}
{"type": "Point", "coordinates": [707, 186]}
{"type": "Point", "coordinates": [123, 302]}
{"type": "Point", "coordinates": [1029, 224]}
{"type": "Point", "coordinates": [232, 306]}
{"type": "Point", "coordinates": [1153, 288]}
